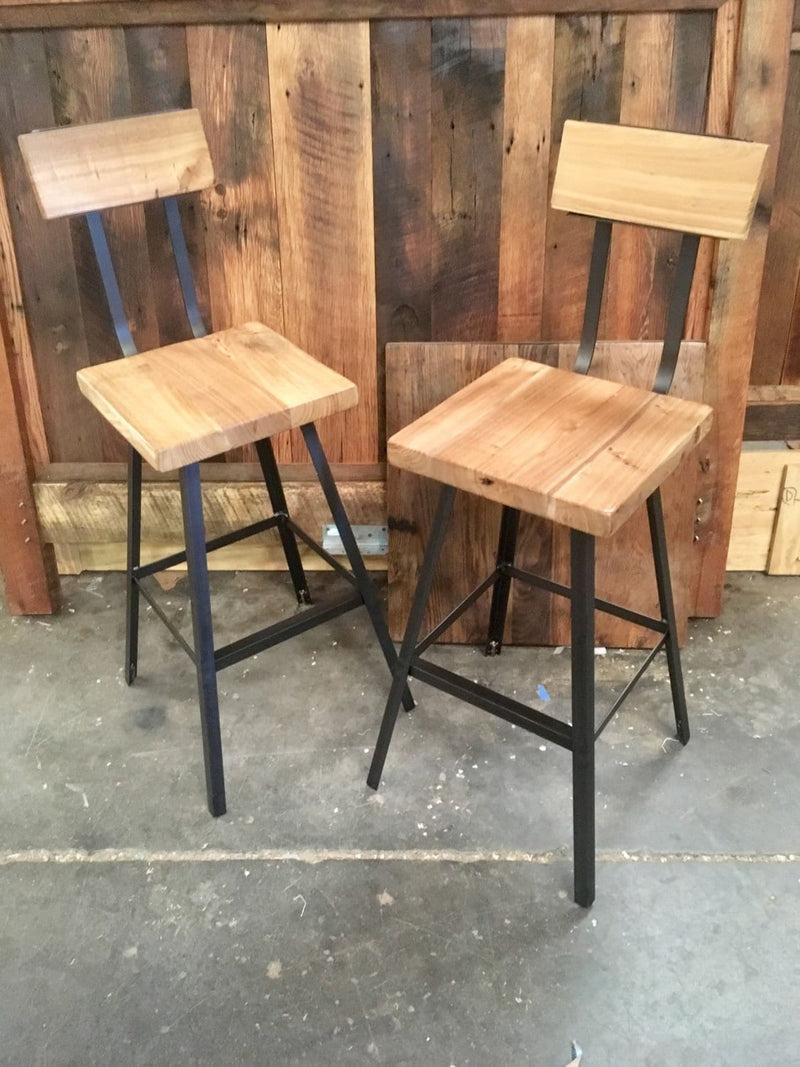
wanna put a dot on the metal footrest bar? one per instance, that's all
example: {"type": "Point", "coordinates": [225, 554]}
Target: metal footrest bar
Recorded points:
{"type": "Point", "coordinates": [170, 625]}
{"type": "Point", "coordinates": [282, 631]}
{"type": "Point", "coordinates": [626, 691]}
{"type": "Point", "coordinates": [606, 606]}
{"type": "Point", "coordinates": [448, 621]}
{"type": "Point", "coordinates": [315, 546]}
{"type": "Point", "coordinates": [487, 699]}
{"type": "Point", "coordinates": [217, 542]}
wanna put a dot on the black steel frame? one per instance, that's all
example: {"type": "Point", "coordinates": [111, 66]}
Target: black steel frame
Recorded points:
{"type": "Point", "coordinates": [580, 735]}
{"type": "Point", "coordinates": [208, 659]}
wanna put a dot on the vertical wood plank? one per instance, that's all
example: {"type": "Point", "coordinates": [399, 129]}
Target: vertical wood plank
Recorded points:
{"type": "Point", "coordinates": [587, 84]}
{"type": "Point", "coordinates": [27, 566]}
{"type": "Point", "coordinates": [721, 84]}
{"type": "Point", "coordinates": [401, 159]}
{"type": "Point", "coordinates": [636, 295]}
{"type": "Point", "coordinates": [757, 115]}
{"type": "Point", "coordinates": [468, 59]}
{"type": "Point", "coordinates": [89, 83]}
{"type": "Point", "coordinates": [20, 354]}
{"type": "Point", "coordinates": [530, 46]}
{"type": "Point", "coordinates": [527, 120]}
{"type": "Point", "coordinates": [782, 265]}
{"type": "Point", "coordinates": [230, 86]}
{"type": "Point", "coordinates": [321, 114]}
{"type": "Point", "coordinates": [45, 258]}
{"type": "Point", "coordinates": [158, 69]}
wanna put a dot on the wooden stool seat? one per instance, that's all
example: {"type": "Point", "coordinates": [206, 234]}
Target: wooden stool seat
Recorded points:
{"type": "Point", "coordinates": [188, 401]}
{"type": "Point", "coordinates": [582, 451]}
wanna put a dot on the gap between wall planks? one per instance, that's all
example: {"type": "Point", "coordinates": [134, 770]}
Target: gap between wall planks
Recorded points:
{"type": "Point", "coordinates": [592, 85]}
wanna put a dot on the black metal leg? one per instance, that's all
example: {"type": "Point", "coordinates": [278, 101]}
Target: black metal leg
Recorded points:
{"type": "Point", "coordinates": [363, 580]}
{"type": "Point", "coordinates": [277, 498]}
{"type": "Point", "coordinates": [655, 515]}
{"type": "Point", "coordinates": [133, 560]}
{"type": "Point", "coordinates": [416, 615]}
{"type": "Point", "coordinates": [506, 547]}
{"type": "Point", "coordinates": [197, 565]}
{"type": "Point", "coordinates": [582, 582]}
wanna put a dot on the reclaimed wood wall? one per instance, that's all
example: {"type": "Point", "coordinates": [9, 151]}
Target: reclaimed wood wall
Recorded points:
{"type": "Point", "coordinates": [384, 181]}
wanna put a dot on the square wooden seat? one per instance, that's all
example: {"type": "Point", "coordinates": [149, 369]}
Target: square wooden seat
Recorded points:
{"type": "Point", "coordinates": [582, 451]}
{"type": "Point", "coordinates": [188, 401]}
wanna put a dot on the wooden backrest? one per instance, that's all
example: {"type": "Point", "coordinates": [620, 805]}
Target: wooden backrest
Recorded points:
{"type": "Point", "coordinates": [75, 169]}
{"type": "Point", "coordinates": [673, 181]}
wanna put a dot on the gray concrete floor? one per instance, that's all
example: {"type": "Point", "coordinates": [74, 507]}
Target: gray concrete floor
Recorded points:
{"type": "Point", "coordinates": [430, 923]}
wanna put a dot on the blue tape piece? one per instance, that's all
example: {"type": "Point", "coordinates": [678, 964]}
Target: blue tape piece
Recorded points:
{"type": "Point", "coordinates": [542, 693]}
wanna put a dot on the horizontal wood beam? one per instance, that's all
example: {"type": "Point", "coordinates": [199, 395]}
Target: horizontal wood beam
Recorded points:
{"type": "Point", "coordinates": [82, 510]}
{"type": "Point", "coordinates": [19, 14]}
{"type": "Point", "coordinates": [773, 413]}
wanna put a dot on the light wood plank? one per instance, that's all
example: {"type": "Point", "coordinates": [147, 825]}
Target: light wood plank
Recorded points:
{"type": "Point", "coordinates": [784, 552]}
{"type": "Point", "coordinates": [45, 257]}
{"type": "Point", "coordinates": [321, 126]}
{"type": "Point", "coordinates": [192, 400]}
{"type": "Point", "coordinates": [675, 181]}
{"type": "Point", "coordinates": [81, 512]}
{"type": "Point", "coordinates": [758, 491]}
{"type": "Point", "coordinates": [125, 161]}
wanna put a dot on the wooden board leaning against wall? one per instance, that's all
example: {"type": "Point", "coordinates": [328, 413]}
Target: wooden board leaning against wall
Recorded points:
{"type": "Point", "coordinates": [434, 143]}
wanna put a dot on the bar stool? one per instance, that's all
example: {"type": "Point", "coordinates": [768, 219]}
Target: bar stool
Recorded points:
{"type": "Point", "coordinates": [579, 450]}
{"type": "Point", "coordinates": [183, 403]}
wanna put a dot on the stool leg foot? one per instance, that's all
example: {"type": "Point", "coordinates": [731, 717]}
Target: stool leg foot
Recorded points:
{"type": "Point", "coordinates": [655, 515]}
{"type": "Point", "coordinates": [133, 560]}
{"type": "Point", "coordinates": [416, 615]}
{"type": "Point", "coordinates": [363, 581]}
{"type": "Point", "coordinates": [506, 547]}
{"type": "Point", "coordinates": [583, 787]}
{"type": "Point", "coordinates": [197, 566]}
{"type": "Point", "coordinates": [277, 498]}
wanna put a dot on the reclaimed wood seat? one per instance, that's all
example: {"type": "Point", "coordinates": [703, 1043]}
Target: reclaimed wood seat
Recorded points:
{"type": "Point", "coordinates": [188, 401]}
{"type": "Point", "coordinates": [581, 451]}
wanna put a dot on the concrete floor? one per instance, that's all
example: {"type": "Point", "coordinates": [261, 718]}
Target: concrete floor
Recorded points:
{"type": "Point", "coordinates": [431, 923]}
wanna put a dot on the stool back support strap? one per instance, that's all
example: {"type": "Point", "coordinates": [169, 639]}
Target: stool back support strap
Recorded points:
{"type": "Point", "coordinates": [676, 314]}
{"type": "Point", "coordinates": [108, 275]}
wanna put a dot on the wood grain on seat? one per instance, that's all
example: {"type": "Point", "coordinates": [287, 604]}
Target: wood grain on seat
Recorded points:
{"type": "Point", "coordinates": [75, 169]}
{"type": "Point", "coordinates": [676, 181]}
{"type": "Point", "coordinates": [582, 451]}
{"type": "Point", "coordinates": [191, 400]}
